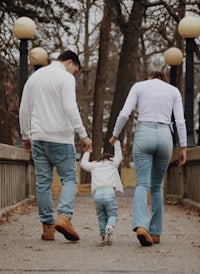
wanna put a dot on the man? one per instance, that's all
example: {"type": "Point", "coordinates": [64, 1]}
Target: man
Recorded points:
{"type": "Point", "coordinates": [49, 118]}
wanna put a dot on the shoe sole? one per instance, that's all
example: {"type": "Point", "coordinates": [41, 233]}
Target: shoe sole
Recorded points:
{"type": "Point", "coordinates": [47, 239]}
{"type": "Point", "coordinates": [66, 234]}
{"type": "Point", "coordinates": [143, 240]}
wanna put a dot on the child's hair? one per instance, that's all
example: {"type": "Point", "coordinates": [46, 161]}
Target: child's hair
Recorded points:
{"type": "Point", "coordinates": [106, 156]}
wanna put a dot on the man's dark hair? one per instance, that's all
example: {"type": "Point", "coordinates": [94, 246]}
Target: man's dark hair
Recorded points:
{"type": "Point", "coordinates": [69, 55]}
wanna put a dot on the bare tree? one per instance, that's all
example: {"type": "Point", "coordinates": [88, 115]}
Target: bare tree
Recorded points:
{"type": "Point", "coordinates": [148, 28]}
{"type": "Point", "coordinates": [128, 63]}
{"type": "Point", "coordinates": [53, 26]}
{"type": "Point", "coordinates": [100, 83]}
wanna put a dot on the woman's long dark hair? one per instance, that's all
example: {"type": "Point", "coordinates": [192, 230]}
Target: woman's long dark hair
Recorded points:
{"type": "Point", "coordinates": [157, 74]}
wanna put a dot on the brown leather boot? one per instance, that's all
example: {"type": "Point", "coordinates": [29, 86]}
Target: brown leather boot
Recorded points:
{"type": "Point", "coordinates": [144, 237]}
{"type": "Point", "coordinates": [64, 226]}
{"type": "Point", "coordinates": [48, 232]}
{"type": "Point", "coordinates": [156, 239]}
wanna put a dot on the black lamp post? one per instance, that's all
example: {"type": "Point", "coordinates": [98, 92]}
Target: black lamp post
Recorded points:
{"type": "Point", "coordinates": [23, 67]}
{"type": "Point", "coordinates": [173, 75]}
{"type": "Point", "coordinates": [198, 142]}
{"type": "Point", "coordinates": [189, 28]}
{"type": "Point", "coordinates": [38, 57]}
{"type": "Point", "coordinates": [173, 57]}
{"type": "Point", "coordinates": [189, 90]}
{"type": "Point", "coordinates": [24, 29]}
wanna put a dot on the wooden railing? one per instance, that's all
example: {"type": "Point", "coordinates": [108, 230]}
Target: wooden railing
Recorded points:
{"type": "Point", "coordinates": [183, 183]}
{"type": "Point", "coordinates": [17, 178]}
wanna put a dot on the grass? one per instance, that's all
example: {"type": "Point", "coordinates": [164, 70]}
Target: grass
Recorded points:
{"type": "Point", "coordinates": [127, 176]}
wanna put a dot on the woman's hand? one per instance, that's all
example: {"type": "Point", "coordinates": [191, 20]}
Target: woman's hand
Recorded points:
{"type": "Point", "coordinates": [113, 139]}
{"type": "Point", "coordinates": [182, 156]}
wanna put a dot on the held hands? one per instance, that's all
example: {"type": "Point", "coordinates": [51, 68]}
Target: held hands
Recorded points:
{"type": "Point", "coordinates": [113, 139]}
{"type": "Point", "coordinates": [86, 144]}
{"type": "Point", "coordinates": [90, 150]}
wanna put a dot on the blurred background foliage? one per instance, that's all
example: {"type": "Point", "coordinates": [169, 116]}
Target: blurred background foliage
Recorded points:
{"type": "Point", "coordinates": [118, 42]}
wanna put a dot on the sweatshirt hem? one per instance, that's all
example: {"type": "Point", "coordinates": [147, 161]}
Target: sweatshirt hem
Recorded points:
{"type": "Point", "coordinates": [52, 138]}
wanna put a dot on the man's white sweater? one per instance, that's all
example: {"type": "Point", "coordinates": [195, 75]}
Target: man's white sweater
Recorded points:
{"type": "Point", "coordinates": [48, 109]}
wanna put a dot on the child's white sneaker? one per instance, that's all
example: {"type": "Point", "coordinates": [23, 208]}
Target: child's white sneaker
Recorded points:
{"type": "Point", "coordinates": [109, 234]}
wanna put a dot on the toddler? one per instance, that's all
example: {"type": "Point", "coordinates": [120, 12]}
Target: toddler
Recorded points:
{"type": "Point", "coordinates": [105, 179]}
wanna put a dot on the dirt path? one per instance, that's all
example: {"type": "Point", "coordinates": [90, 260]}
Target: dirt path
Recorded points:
{"type": "Point", "coordinates": [23, 252]}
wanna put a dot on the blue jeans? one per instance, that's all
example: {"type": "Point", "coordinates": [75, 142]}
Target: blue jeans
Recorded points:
{"type": "Point", "coordinates": [152, 150]}
{"type": "Point", "coordinates": [46, 155]}
{"type": "Point", "coordinates": [106, 207]}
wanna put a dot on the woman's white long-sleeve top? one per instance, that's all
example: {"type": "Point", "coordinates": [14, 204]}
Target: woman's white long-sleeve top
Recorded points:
{"type": "Point", "coordinates": [156, 100]}
{"type": "Point", "coordinates": [104, 173]}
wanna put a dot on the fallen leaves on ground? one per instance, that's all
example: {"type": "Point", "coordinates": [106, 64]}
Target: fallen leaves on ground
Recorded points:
{"type": "Point", "coordinates": [22, 209]}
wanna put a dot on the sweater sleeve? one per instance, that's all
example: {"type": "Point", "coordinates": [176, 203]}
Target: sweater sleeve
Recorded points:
{"type": "Point", "coordinates": [25, 114]}
{"type": "Point", "coordinates": [117, 153]}
{"type": "Point", "coordinates": [85, 163]}
{"type": "Point", "coordinates": [124, 114]}
{"type": "Point", "coordinates": [180, 121]}
{"type": "Point", "coordinates": [70, 106]}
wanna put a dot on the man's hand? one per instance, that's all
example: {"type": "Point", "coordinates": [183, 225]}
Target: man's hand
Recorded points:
{"type": "Point", "coordinates": [27, 145]}
{"type": "Point", "coordinates": [86, 144]}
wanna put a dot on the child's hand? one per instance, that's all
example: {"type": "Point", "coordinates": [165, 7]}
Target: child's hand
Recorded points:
{"type": "Point", "coordinates": [89, 150]}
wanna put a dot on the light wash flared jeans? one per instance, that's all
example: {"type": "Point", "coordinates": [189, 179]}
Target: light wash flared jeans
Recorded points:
{"type": "Point", "coordinates": [152, 150]}
{"type": "Point", "coordinates": [47, 155]}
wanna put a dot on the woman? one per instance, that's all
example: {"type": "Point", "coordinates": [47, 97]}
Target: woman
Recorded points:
{"type": "Point", "coordinates": [152, 148]}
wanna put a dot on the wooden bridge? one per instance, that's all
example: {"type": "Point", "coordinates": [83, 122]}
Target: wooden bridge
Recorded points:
{"type": "Point", "coordinates": [17, 178]}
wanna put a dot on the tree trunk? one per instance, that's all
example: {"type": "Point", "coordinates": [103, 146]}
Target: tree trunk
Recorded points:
{"type": "Point", "coordinates": [128, 65]}
{"type": "Point", "coordinates": [5, 120]}
{"type": "Point", "coordinates": [127, 148]}
{"type": "Point", "coordinates": [85, 176]}
{"type": "Point", "coordinates": [100, 83]}
{"type": "Point", "coordinates": [180, 45]}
